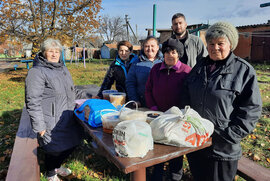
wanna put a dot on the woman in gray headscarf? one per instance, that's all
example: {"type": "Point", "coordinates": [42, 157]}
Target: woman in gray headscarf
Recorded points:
{"type": "Point", "coordinates": [50, 101]}
{"type": "Point", "coordinates": [222, 88]}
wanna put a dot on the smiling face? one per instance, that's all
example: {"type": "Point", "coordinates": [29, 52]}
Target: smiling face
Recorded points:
{"type": "Point", "coordinates": [52, 55]}
{"type": "Point", "coordinates": [179, 26]}
{"type": "Point", "coordinates": [150, 49]}
{"type": "Point", "coordinates": [124, 53]}
{"type": "Point", "coordinates": [171, 57]}
{"type": "Point", "coordinates": [219, 48]}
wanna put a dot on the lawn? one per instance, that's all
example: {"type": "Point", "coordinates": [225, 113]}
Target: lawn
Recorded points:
{"type": "Point", "coordinates": [85, 163]}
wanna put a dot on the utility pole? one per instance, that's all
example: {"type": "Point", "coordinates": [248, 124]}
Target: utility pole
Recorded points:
{"type": "Point", "coordinates": [154, 20]}
{"type": "Point", "coordinates": [136, 32]}
{"type": "Point", "coordinates": [126, 18]}
{"type": "Point", "coordinates": [128, 25]}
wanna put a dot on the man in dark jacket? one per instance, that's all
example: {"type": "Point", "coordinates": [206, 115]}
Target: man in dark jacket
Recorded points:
{"type": "Point", "coordinates": [193, 45]}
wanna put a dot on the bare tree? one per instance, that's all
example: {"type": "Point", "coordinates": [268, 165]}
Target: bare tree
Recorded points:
{"type": "Point", "coordinates": [111, 28]}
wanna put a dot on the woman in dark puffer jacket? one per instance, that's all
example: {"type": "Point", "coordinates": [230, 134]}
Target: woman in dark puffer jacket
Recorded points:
{"type": "Point", "coordinates": [119, 68]}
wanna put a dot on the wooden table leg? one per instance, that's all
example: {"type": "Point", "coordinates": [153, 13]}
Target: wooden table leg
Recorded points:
{"type": "Point", "coordinates": [138, 175]}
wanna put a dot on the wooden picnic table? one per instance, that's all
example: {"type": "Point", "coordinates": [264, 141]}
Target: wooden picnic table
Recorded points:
{"type": "Point", "coordinates": [136, 166]}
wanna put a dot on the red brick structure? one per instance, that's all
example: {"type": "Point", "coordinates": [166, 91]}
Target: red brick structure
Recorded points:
{"type": "Point", "coordinates": [254, 42]}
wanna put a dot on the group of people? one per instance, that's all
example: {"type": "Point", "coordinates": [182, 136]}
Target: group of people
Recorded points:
{"type": "Point", "coordinates": [220, 86]}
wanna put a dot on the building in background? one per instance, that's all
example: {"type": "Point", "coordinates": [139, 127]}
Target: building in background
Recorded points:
{"type": "Point", "coordinates": [254, 42]}
{"type": "Point", "coordinates": [253, 45]}
{"type": "Point", "coordinates": [108, 51]}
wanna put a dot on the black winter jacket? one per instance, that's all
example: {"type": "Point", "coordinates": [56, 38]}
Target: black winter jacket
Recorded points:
{"type": "Point", "coordinates": [230, 98]}
{"type": "Point", "coordinates": [117, 73]}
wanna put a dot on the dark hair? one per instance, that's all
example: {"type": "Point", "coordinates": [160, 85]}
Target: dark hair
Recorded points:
{"type": "Point", "coordinates": [178, 15]}
{"type": "Point", "coordinates": [168, 49]}
{"type": "Point", "coordinates": [125, 43]}
{"type": "Point", "coordinates": [173, 44]}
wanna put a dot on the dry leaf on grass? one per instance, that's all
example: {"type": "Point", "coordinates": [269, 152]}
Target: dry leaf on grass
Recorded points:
{"type": "Point", "coordinates": [256, 157]}
{"type": "Point", "coordinates": [252, 136]}
{"type": "Point", "coordinates": [79, 176]}
{"type": "Point", "coordinates": [95, 175]}
{"type": "Point", "coordinates": [2, 158]}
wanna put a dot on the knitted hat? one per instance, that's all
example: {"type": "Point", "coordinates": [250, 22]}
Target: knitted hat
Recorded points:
{"type": "Point", "coordinates": [225, 28]}
{"type": "Point", "coordinates": [175, 45]}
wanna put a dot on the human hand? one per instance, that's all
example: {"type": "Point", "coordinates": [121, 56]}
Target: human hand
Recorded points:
{"type": "Point", "coordinates": [41, 133]}
{"type": "Point", "coordinates": [96, 97]}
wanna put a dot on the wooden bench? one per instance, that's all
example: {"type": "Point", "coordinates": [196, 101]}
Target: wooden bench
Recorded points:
{"type": "Point", "coordinates": [24, 164]}
{"type": "Point", "coordinates": [250, 170]}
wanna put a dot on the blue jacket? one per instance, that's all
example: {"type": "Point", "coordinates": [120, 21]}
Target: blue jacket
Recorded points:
{"type": "Point", "coordinates": [117, 73]}
{"type": "Point", "coordinates": [137, 77]}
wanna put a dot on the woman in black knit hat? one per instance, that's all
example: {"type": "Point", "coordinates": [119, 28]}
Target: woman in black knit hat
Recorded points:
{"type": "Point", "coordinates": [163, 90]}
{"type": "Point", "coordinates": [222, 88]}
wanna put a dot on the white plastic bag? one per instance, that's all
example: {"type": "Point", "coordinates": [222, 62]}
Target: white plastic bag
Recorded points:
{"type": "Point", "coordinates": [132, 138]}
{"type": "Point", "coordinates": [130, 114]}
{"type": "Point", "coordinates": [110, 118]}
{"type": "Point", "coordinates": [181, 128]}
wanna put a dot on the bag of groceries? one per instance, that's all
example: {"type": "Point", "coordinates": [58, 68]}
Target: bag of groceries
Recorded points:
{"type": "Point", "coordinates": [131, 114]}
{"type": "Point", "coordinates": [181, 128]}
{"type": "Point", "coordinates": [89, 111]}
{"type": "Point", "coordinates": [111, 119]}
{"type": "Point", "coordinates": [132, 138]}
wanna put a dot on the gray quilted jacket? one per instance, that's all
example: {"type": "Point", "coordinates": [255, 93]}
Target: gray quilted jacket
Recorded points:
{"type": "Point", "coordinates": [50, 101]}
{"type": "Point", "coordinates": [195, 49]}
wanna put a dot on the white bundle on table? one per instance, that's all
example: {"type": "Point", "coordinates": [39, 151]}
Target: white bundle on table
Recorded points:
{"type": "Point", "coordinates": [181, 128]}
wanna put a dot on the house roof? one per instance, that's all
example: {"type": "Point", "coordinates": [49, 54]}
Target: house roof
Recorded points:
{"type": "Point", "coordinates": [136, 47]}
{"type": "Point", "coordinates": [190, 27]}
{"type": "Point", "coordinates": [194, 26]}
{"type": "Point", "coordinates": [255, 25]}
{"type": "Point", "coordinates": [110, 46]}
{"type": "Point", "coordinates": [114, 46]}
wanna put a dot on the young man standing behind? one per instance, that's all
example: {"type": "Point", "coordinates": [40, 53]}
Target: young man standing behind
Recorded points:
{"type": "Point", "coordinates": [193, 45]}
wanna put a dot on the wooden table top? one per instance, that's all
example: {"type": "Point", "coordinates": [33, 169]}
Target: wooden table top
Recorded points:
{"type": "Point", "coordinates": [160, 153]}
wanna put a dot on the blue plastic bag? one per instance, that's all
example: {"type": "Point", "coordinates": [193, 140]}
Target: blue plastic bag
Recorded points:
{"type": "Point", "coordinates": [95, 105]}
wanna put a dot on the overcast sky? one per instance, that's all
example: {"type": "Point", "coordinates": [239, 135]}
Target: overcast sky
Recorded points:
{"type": "Point", "coordinates": [140, 12]}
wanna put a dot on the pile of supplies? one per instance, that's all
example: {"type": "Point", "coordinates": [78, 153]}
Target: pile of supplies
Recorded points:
{"type": "Point", "coordinates": [134, 132]}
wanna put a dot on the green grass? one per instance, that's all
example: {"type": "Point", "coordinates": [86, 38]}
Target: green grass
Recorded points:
{"type": "Point", "coordinates": [84, 162]}
{"type": "Point", "coordinates": [5, 56]}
